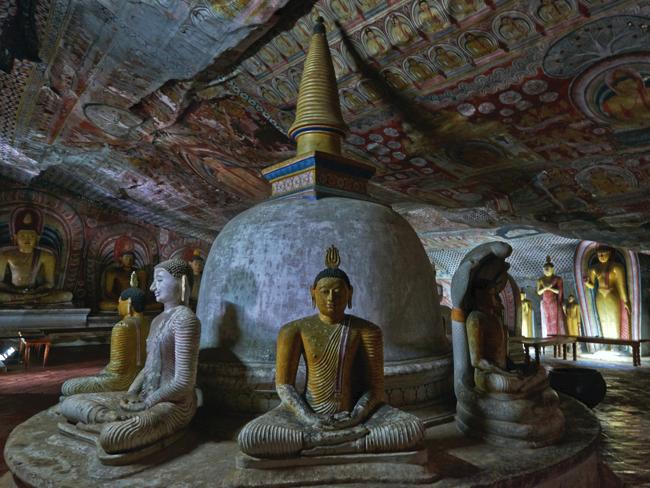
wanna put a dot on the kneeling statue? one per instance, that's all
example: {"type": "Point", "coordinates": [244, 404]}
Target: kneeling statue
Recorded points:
{"type": "Point", "coordinates": [342, 410]}
{"type": "Point", "coordinates": [128, 348]}
{"type": "Point", "coordinates": [161, 401]}
{"type": "Point", "coordinates": [498, 401]}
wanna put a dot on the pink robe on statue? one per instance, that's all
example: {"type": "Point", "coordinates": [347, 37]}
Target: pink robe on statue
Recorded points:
{"type": "Point", "coordinates": [552, 312]}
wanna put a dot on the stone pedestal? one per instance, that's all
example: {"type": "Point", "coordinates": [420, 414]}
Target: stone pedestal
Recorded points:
{"type": "Point", "coordinates": [36, 319]}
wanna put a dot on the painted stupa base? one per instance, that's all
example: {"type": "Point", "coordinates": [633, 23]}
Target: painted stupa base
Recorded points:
{"type": "Point", "coordinates": [38, 455]}
{"type": "Point", "coordinates": [250, 388]}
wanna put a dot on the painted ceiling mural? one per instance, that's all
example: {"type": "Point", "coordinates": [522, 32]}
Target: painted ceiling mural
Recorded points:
{"type": "Point", "coordinates": [494, 112]}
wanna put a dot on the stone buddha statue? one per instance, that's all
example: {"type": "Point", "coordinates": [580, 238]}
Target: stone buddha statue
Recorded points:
{"type": "Point", "coordinates": [526, 316]}
{"type": "Point", "coordinates": [116, 278]}
{"type": "Point", "coordinates": [608, 280]}
{"type": "Point", "coordinates": [32, 269]}
{"type": "Point", "coordinates": [573, 317]}
{"type": "Point", "coordinates": [551, 288]}
{"type": "Point", "coordinates": [161, 401]}
{"type": "Point", "coordinates": [196, 263]}
{"type": "Point", "coordinates": [128, 348]}
{"type": "Point", "coordinates": [498, 401]}
{"type": "Point", "coordinates": [342, 409]}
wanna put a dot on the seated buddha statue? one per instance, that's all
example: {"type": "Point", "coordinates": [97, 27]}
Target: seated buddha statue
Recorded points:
{"type": "Point", "coordinates": [161, 401]}
{"type": "Point", "coordinates": [32, 269]}
{"type": "Point", "coordinates": [116, 278]}
{"type": "Point", "coordinates": [342, 409]}
{"type": "Point", "coordinates": [128, 351]}
{"type": "Point", "coordinates": [498, 401]}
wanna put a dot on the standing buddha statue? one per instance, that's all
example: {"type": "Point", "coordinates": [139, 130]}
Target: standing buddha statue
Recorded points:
{"type": "Point", "coordinates": [128, 348]}
{"type": "Point", "coordinates": [573, 316]}
{"type": "Point", "coordinates": [526, 316]}
{"type": "Point", "coordinates": [161, 401]}
{"type": "Point", "coordinates": [342, 409]}
{"type": "Point", "coordinates": [551, 288]}
{"type": "Point", "coordinates": [612, 303]}
{"type": "Point", "coordinates": [197, 263]}
{"type": "Point", "coordinates": [32, 269]}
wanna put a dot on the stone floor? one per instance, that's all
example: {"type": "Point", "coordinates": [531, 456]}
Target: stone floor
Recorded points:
{"type": "Point", "coordinates": [624, 413]}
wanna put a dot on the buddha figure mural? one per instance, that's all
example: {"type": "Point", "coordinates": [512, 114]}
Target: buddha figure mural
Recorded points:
{"type": "Point", "coordinates": [527, 329]}
{"type": "Point", "coordinates": [342, 409]}
{"type": "Point", "coordinates": [28, 272]}
{"type": "Point", "coordinates": [117, 276]}
{"type": "Point", "coordinates": [128, 348]}
{"type": "Point", "coordinates": [607, 279]}
{"type": "Point", "coordinates": [498, 401]}
{"type": "Point", "coordinates": [161, 401]}
{"type": "Point", "coordinates": [196, 263]}
{"type": "Point", "coordinates": [551, 288]}
{"type": "Point", "coordinates": [573, 318]}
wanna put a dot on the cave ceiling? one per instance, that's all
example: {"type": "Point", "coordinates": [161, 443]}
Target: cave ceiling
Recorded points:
{"type": "Point", "coordinates": [475, 113]}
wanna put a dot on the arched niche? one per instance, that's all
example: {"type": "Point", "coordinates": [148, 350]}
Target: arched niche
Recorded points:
{"type": "Point", "coordinates": [585, 256]}
{"type": "Point", "coordinates": [63, 232]}
{"type": "Point", "coordinates": [101, 254]}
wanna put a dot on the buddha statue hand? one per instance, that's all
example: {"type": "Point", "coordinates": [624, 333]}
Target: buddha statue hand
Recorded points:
{"type": "Point", "coordinates": [334, 437]}
{"type": "Point", "coordinates": [132, 403]}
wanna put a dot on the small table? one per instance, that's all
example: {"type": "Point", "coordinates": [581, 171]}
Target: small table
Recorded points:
{"type": "Point", "coordinates": [539, 343]}
{"type": "Point", "coordinates": [26, 344]}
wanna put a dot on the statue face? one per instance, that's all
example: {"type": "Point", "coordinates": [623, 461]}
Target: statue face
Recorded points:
{"type": "Point", "coordinates": [604, 255]}
{"type": "Point", "coordinates": [165, 287]}
{"type": "Point", "coordinates": [571, 299]}
{"type": "Point", "coordinates": [197, 266]}
{"type": "Point", "coordinates": [549, 270]}
{"type": "Point", "coordinates": [123, 307]}
{"type": "Point", "coordinates": [127, 260]}
{"type": "Point", "coordinates": [331, 296]}
{"type": "Point", "coordinates": [26, 240]}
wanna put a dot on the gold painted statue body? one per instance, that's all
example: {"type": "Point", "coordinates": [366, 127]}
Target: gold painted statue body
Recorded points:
{"type": "Point", "coordinates": [128, 348]}
{"type": "Point", "coordinates": [341, 409]}
{"type": "Point", "coordinates": [612, 303]}
{"type": "Point", "coordinates": [32, 268]}
{"type": "Point", "coordinates": [526, 316]}
{"type": "Point", "coordinates": [573, 318]}
{"type": "Point", "coordinates": [117, 278]}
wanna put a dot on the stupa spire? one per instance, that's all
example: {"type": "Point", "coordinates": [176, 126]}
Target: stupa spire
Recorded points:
{"type": "Point", "coordinates": [319, 125]}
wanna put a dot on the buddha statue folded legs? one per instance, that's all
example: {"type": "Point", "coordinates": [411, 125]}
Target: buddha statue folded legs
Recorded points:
{"type": "Point", "coordinates": [128, 351]}
{"type": "Point", "coordinates": [161, 401]}
{"type": "Point", "coordinates": [341, 410]}
{"type": "Point", "coordinates": [498, 401]}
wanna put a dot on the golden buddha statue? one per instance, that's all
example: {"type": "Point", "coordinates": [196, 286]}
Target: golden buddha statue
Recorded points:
{"type": "Point", "coordinates": [128, 348]}
{"type": "Point", "coordinates": [342, 409]}
{"type": "Point", "coordinates": [161, 401]}
{"type": "Point", "coordinates": [608, 280]}
{"type": "Point", "coordinates": [551, 288]}
{"type": "Point", "coordinates": [526, 316]}
{"type": "Point", "coordinates": [573, 318]}
{"type": "Point", "coordinates": [117, 277]}
{"type": "Point", "coordinates": [32, 268]}
{"type": "Point", "coordinates": [499, 401]}
{"type": "Point", "coordinates": [196, 263]}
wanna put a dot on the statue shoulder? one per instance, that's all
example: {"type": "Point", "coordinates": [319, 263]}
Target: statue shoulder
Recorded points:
{"type": "Point", "coordinates": [185, 315]}
{"type": "Point", "coordinates": [295, 326]}
{"type": "Point", "coordinates": [475, 318]}
{"type": "Point", "coordinates": [128, 322]}
{"type": "Point", "coordinates": [46, 254]}
{"type": "Point", "coordinates": [363, 324]}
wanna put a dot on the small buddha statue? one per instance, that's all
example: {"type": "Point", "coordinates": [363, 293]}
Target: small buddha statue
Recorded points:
{"type": "Point", "coordinates": [197, 263]}
{"type": "Point", "coordinates": [573, 318]}
{"type": "Point", "coordinates": [117, 278]}
{"type": "Point", "coordinates": [161, 401]}
{"type": "Point", "coordinates": [503, 403]}
{"type": "Point", "coordinates": [128, 348]}
{"type": "Point", "coordinates": [551, 288]}
{"type": "Point", "coordinates": [342, 409]}
{"type": "Point", "coordinates": [32, 269]}
{"type": "Point", "coordinates": [607, 279]}
{"type": "Point", "coordinates": [526, 316]}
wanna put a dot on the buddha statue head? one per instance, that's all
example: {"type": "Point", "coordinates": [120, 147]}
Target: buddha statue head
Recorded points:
{"type": "Point", "coordinates": [572, 299]}
{"type": "Point", "coordinates": [487, 281]}
{"type": "Point", "coordinates": [197, 262]}
{"type": "Point", "coordinates": [549, 267]}
{"type": "Point", "coordinates": [172, 282]}
{"type": "Point", "coordinates": [331, 292]}
{"type": "Point", "coordinates": [522, 295]}
{"type": "Point", "coordinates": [27, 228]}
{"type": "Point", "coordinates": [127, 260]}
{"type": "Point", "coordinates": [132, 300]}
{"type": "Point", "coordinates": [604, 253]}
